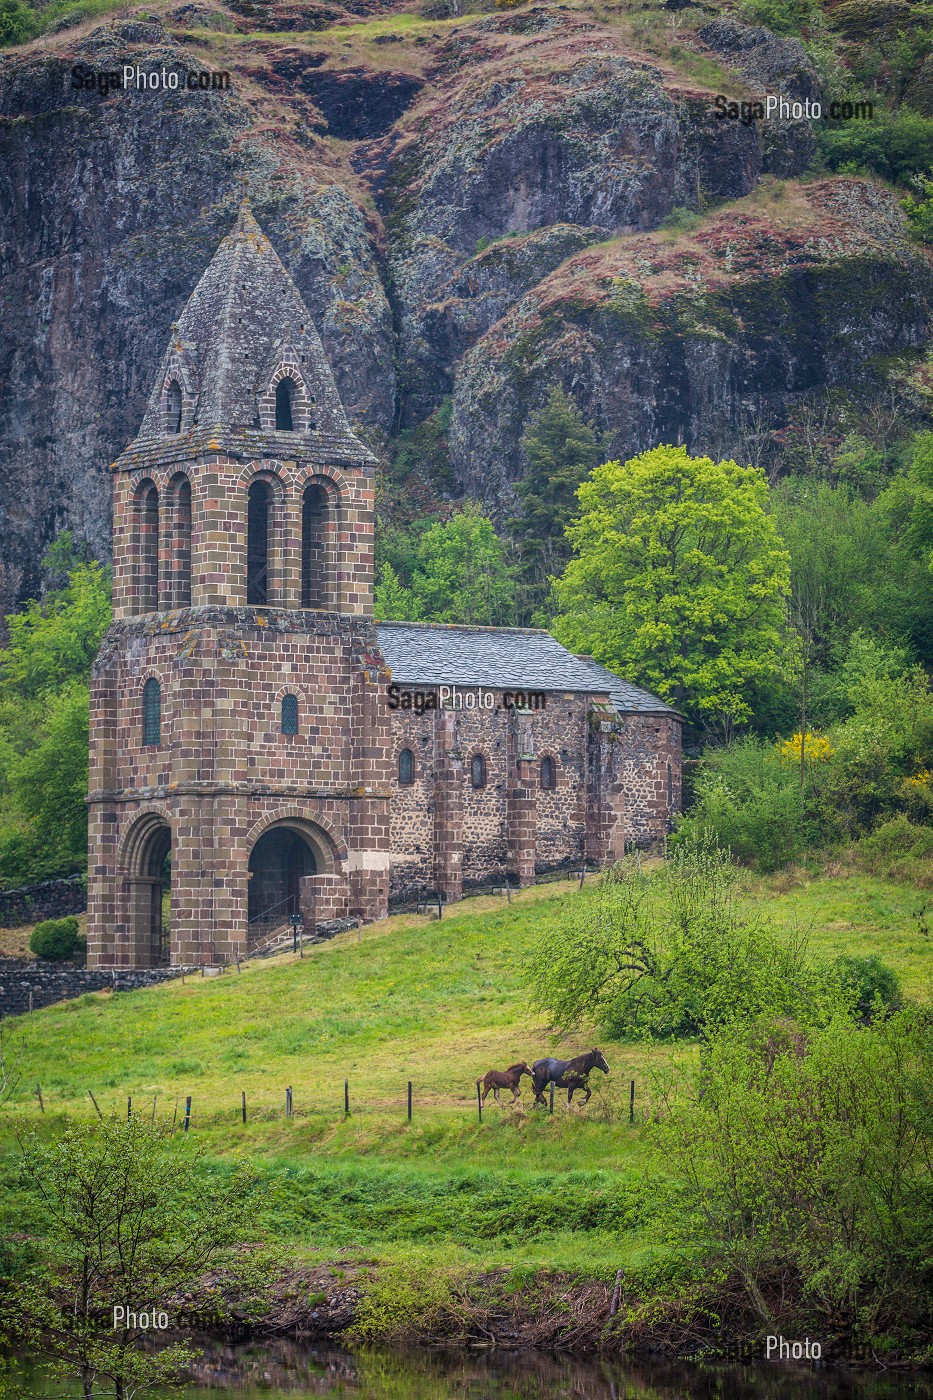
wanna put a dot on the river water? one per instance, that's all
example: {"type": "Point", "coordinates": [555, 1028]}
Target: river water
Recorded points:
{"type": "Point", "coordinates": [254, 1372]}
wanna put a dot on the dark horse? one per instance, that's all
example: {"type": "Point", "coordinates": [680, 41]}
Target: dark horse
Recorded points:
{"type": "Point", "coordinates": [567, 1074]}
{"type": "Point", "coordinates": [509, 1078]}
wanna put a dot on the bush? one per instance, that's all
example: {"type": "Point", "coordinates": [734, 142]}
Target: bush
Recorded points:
{"type": "Point", "coordinates": [804, 1163]}
{"type": "Point", "coordinates": [780, 16]}
{"type": "Point", "coordinates": [748, 801]}
{"type": "Point", "coordinates": [17, 23]}
{"type": "Point", "coordinates": [898, 850]}
{"type": "Point", "coordinates": [55, 939]}
{"type": "Point", "coordinates": [897, 145]}
{"type": "Point", "coordinates": [869, 985]}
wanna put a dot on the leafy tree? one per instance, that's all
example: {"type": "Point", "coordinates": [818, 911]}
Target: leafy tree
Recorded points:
{"type": "Point", "coordinates": [393, 602]}
{"type": "Point", "coordinates": [897, 145]}
{"type": "Point", "coordinates": [463, 574]}
{"type": "Point", "coordinates": [679, 580]}
{"type": "Point", "coordinates": [561, 450]}
{"type": "Point", "coordinates": [128, 1225]}
{"type": "Point", "coordinates": [44, 674]}
{"type": "Point", "coordinates": [667, 956]}
{"type": "Point", "coordinates": [18, 23]}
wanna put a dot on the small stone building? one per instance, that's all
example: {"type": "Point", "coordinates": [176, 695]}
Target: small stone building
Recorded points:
{"type": "Point", "coordinates": [258, 743]}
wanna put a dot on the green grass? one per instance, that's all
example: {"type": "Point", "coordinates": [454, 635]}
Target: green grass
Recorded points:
{"type": "Point", "coordinates": [436, 1003]}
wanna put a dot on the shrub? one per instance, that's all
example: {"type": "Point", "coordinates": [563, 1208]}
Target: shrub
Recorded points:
{"type": "Point", "coordinates": [781, 16]}
{"type": "Point", "coordinates": [748, 801]}
{"type": "Point", "coordinates": [897, 145]}
{"type": "Point", "coordinates": [17, 23]}
{"type": "Point", "coordinates": [803, 1163]}
{"type": "Point", "coordinates": [868, 984]}
{"type": "Point", "coordinates": [898, 850]}
{"type": "Point", "coordinates": [55, 939]}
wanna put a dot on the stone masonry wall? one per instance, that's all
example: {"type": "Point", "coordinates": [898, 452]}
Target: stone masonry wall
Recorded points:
{"type": "Point", "coordinates": [649, 759]}
{"type": "Point", "coordinates": [224, 771]}
{"type": "Point", "coordinates": [27, 985]}
{"type": "Point", "coordinates": [559, 730]}
{"type": "Point", "coordinates": [52, 899]}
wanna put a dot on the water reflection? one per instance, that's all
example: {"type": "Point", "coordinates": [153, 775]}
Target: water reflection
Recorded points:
{"type": "Point", "coordinates": [293, 1370]}
{"type": "Point", "coordinates": [248, 1372]}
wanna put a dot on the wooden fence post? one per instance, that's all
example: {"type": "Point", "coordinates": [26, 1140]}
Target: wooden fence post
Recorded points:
{"type": "Point", "coordinates": [244, 1105]}
{"type": "Point", "coordinates": [631, 1102]}
{"type": "Point", "coordinates": [39, 1097]}
{"type": "Point", "coordinates": [187, 1112]}
{"type": "Point", "coordinates": [94, 1102]}
{"type": "Point", "coordinates": [479, 1100]}
{"type": "Point", "coordinates": [346, 1096]}
{"type": "Point", "coordinates": [552, 1096]}
{"type": "Point", "coordinates": [129, 1109]}
{"type": "Point", "coordinates": [409, 1100]}
{"type": "Point", "coordinates": [152, 1119]}
{"type": "Point", "coordinates": [583, 873]}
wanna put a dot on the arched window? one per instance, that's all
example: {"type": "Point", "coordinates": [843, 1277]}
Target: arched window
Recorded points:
{"type": "Point", "coordinates": [181, 545]}
{"type": "Point", "coordinates": [284, 399]}
{"type": "Point", "coordinates": [152, 713]}
{"type": "Point", "coordinates": [289, 714]}
{"type": "Point", "coordinates": [478, 770]}
{"type": "Point", "coordinates": [315, 531]}
{"type": "Point", "coordinates": [257, 543]}
{"type": "Point", "coordinates": [173, 407]}
{"type": "Point", "coordinates": [147, 549]}
{"type": "Point", "coordinates": [548, 773]}
{"type": "Point", "coordinates": [406, 767]}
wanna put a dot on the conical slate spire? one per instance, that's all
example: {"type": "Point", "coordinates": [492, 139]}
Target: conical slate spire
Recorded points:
{"type": "Point", "coordinates": [243, 322]}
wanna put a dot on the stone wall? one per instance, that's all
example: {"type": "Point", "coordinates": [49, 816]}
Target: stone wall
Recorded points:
{"type": "Point", "coordinates": [52, 899]}
{"type": "Point", "coordinates": [611, 790]}
{"type": "Point", "coordinates": [27, 985]}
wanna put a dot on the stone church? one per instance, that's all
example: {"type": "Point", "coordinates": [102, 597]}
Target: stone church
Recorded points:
{"type": "Point", "coordinates": [257, 740]}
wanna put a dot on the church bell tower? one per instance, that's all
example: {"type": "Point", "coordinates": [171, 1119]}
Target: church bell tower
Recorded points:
{"type": "Point", "coordinates": [239, 743]}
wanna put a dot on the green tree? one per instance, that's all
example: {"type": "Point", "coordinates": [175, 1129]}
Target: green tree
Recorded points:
{"type": "Point", "coordinates": [561, 450]}
{"type": "Point", "coordinates": [667, 955]}
{"type": "Point", "coordinates": [463, 573]}
{"type": "Point", "coordinates": [44, 673]}
{"type": "Point", "coordinates": [679, 580]}
{"type": "Point", "coordinates": [394, 602]}
{"type": "Point", "coordinates": [17, 23]}
{"type": "Point", "coordinates": [128, 1225]}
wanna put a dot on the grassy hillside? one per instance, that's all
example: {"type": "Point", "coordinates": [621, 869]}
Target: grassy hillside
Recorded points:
{"type": "Point", "coordinates": [437, 1003]}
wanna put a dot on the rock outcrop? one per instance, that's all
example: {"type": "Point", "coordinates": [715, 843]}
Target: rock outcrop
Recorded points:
{"type": "Point", "coordinates": [473, 209]}
{"type": "Point", "coordinates": [678, 340]}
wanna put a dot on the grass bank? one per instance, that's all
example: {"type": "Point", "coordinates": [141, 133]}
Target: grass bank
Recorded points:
{"type": "Point", "coordinates": [437, 1003]}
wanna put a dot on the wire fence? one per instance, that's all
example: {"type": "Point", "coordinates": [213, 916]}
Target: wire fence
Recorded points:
{"type": "Point", "coordinates": [615, 1102]}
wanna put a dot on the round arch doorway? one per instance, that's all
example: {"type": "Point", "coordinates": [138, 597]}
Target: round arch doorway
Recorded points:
{"type": "Point", "coordinates": [148, 873]}
{"type": "Point", "coordinates": [280, 859]}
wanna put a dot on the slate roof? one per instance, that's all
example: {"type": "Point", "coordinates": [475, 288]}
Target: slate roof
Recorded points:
{"type": "Point", "coordinates": [244, 315]}
{"type": "Point", "coordinates": [522, 658]}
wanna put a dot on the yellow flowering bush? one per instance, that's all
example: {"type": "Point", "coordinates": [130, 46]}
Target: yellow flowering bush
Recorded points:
{"type": "Point", "coordinates": [816, 748]}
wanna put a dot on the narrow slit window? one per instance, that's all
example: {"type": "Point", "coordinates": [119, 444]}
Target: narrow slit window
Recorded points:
{"type": "Point", "coordinates": [289, 714]}
{"type": "Point", "coordinates": [478, 770]}
{"type": "Point", "coordinates": [406, 768]}
{"type": "Point", "coordinates": [284, 403]}
{"type": "Point", "coordinates": [152, 714]}
{"type": "Point", "coordinates": [173, 408]}
{"type": "Point", "coordinates": [147, 549]}
{"type": "Point", "coordinates": [257, 543]}
{"type": "Point", "coordinates": [548, 773]}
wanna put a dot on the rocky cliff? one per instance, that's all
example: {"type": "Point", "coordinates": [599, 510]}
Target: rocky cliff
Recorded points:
{"type": "Point", "coordinates": [471, 207]}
